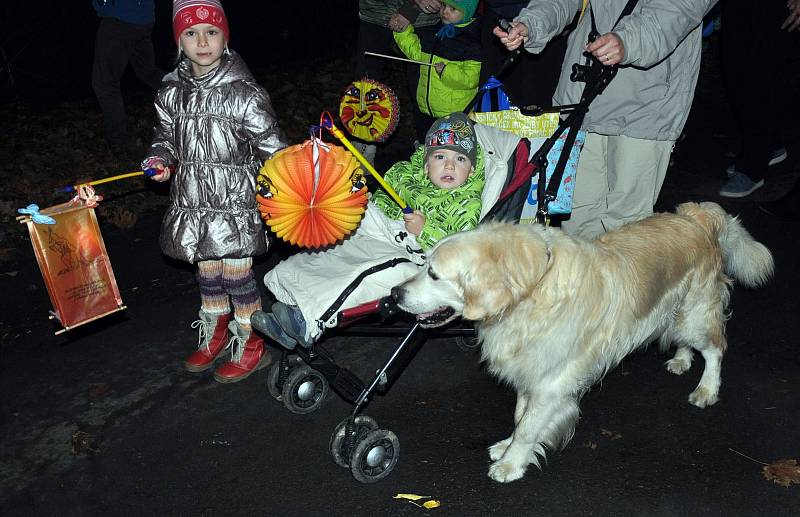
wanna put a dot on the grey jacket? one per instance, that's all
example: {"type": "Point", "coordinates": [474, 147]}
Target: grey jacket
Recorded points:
{"type": "Point", "coordinates": [651, 96]}
{"type": "Point", "coordinates": [217, 129]}
{"type": "Point", "coordinates": [379, 12]}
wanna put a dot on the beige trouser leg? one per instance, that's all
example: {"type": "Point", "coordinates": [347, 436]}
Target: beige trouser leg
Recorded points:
{"type": "Point", "coordinates": [618, 181]}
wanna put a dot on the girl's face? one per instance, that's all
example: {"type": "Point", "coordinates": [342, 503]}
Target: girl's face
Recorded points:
{"type": "Point", "coordinates": [448, 169]}
{"type": "Point", "coordinates": [203, 45]}
{"type": "Point", "coordinates": [450, 14]}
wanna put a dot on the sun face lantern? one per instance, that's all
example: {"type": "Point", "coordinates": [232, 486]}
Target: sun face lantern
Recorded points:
{"type": "Point", "coordinates": [369, 110]}
{"type": "Point", "coordinates": [312, 194]}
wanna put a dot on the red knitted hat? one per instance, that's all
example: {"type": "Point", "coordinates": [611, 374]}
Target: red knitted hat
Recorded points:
{"type": "Point", "coordinates": [186, 13]}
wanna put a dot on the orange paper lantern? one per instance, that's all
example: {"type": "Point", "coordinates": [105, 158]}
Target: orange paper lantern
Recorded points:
{"type": "Point", "coordinates": [312, 194]}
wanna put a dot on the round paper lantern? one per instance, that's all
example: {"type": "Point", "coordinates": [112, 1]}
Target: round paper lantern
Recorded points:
{"type": "Point", "coordinates": [369, 110]}
{"type": "Point", "coordinates": [312, 194]}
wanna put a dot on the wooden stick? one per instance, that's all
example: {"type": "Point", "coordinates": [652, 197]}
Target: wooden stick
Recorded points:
{"type": "Point", "coordinates": [423, 63]}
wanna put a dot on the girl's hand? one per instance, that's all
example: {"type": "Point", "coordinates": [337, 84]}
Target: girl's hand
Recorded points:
{"type": "Point", "coordinates": [516, 36]}
{"type": "Point", "coordinates": [398, 22]}
{"type": "Point", "coordinates": [439, 67]}
{"type": "Point", "coordinates": [163, 175]}
{"type": "Point", "coordinates": [608, 48]}
{"type": "Point", "coordinates": [415, 221]}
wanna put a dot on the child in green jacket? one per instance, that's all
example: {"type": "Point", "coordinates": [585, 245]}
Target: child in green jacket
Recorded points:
{"type": "Point", "coordinates": [452, 53]}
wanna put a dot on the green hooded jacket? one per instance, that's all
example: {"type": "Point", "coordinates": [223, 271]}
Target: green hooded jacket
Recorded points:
{"type": "Point", "coordinates": [445, 211]}
{"type": "Point", "coordinates": [437, 95]}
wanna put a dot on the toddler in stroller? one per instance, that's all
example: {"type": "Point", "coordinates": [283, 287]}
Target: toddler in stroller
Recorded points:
{"type": "Point", "coordinates": [329, 288]}
{"type": "Point", "coordinates": [443, 183]}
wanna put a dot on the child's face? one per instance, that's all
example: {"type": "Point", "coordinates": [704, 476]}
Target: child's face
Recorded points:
{"type": "Point", "coordinates": [203, 45]}
{"type": "Point", "coordinates": [448, 169]}
{"type": "Point", "coordinates": [450, 14]}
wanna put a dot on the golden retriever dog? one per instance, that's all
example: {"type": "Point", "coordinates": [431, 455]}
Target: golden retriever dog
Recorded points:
{"type": "Point", "coordinates": [554, 313]}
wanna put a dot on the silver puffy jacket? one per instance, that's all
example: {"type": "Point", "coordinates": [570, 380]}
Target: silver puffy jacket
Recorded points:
{"type": "Point", "coordinates": [217, 129]}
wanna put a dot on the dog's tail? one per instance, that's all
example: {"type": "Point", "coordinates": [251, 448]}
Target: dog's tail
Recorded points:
{"type": "Point", "coordinates": [746, 259]}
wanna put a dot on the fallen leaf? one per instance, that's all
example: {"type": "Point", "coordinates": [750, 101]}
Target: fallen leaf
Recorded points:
{"type": "Point", "coordinates": [431, 504]}
{"type": "Point", "coordinates": [783, 472]}
{"type": "Point", "coordinates": [82, 442]}
{"type": "Point", "coordinates": [610, 434]}
{"type": "Point", "coordinates": [411, 497]}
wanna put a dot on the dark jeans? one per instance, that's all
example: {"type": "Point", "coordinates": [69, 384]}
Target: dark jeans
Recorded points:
{"type": "Point", "coordinates": [116, 45]}
{"type": "Point", "coordinates": [755, 53]}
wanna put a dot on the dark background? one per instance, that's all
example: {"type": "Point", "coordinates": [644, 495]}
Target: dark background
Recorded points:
{"type": "Point", "coordinates": [48, 46]}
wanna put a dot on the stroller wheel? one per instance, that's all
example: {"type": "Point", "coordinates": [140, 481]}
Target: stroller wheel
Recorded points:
{"type": "Point", "coordinates": [375, 456]}
{"type": "Point", "coordinates": [273, 374]}
{"type": "Point", "coordinates": [304, 390]}
{"type": "Point", "coordinates": [363, 424]}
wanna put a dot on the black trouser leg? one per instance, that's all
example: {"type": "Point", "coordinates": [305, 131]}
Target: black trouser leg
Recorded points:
{"type": "Point", "coordinates": [754, 53]}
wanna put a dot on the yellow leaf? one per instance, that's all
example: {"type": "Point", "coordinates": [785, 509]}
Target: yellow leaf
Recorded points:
{"type": "Point", "coordinates": [411, 497]}
{"type": "Point", "coordinates": [431, 504]}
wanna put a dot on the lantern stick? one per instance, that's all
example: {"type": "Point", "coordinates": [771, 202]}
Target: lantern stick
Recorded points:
{"type": "Point", "coordinates": [148, 173]}
{"type": "Point", "coordinates": [375, 54]}
{"type": "Point", "coordinates": [326, 121]}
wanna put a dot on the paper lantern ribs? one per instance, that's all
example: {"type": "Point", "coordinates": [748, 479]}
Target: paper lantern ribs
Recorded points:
{"type": "Point", "coordinates": [312, 194]}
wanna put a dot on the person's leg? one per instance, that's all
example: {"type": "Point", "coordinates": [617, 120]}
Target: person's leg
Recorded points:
{"type": "Point", "coordinates": [213, 319]}
{"type": "Point", "coordinates": [247, 348]}
{"type": "Point", "coordinates": [589, 201]}
{"type": "Point", "coordinates": [636, 171]}
{"type": "Point", "coordinates": [752, 77]}
{"type": "Point", "coordinates": [143, 58]}
{"type": "Point", "coordinates": [240, 285]}
{"type": "Point", "coordinates": [112, 50]}
{"type": "Point", "coordinates": [372, 38]}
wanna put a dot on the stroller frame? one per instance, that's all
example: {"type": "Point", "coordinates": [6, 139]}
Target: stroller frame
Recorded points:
{"type": "Point", "coordinates": [302, 378]}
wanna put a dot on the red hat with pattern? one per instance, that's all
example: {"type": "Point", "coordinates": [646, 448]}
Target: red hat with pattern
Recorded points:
{"type": "Point", "coordinates": [186, 13]}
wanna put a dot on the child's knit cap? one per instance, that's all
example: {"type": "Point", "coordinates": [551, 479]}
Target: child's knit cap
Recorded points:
{"type": "Point", "coordinates": [186, 13]}
{"type": "Point", "coordinates": [465, 6]}
{"type": "Point", "coordinates": [455, 132]}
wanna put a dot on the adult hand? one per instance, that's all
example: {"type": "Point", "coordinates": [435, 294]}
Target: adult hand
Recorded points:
{"type": "Point", "coordinates": [516, 35]}
{"type": "Point", "coordinates": [415, 221]}
{"type": "Point", "coordinates": [608, 48]}
{"type": "Point", "coordinates": [792, 22]}
{"type": "Point", "coordinates": [398, 22]}
{"type": "Point", "coordinates": [428, 6]}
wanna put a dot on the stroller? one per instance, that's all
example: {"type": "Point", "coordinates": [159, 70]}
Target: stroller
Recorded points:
{"type": "Point", "coordinates": [303, 377]}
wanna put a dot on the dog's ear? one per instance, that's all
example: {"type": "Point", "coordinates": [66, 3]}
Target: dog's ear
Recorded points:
{"type": "Point", "coordinates": [512, 264]}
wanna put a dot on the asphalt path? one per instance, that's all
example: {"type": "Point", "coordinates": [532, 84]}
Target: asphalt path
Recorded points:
{"type": "Point", "coordinates": [104, 421]}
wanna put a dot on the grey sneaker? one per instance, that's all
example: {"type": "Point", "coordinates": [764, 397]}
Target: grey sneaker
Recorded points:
{"type": "Point", "coordinates": [778, 155]}
{"type": "Point", "coordinates": [266, 323]}
{"type": "Point", "coordinates": [291, 319]}
{"type": "Point", "coordinates": [740, 186]}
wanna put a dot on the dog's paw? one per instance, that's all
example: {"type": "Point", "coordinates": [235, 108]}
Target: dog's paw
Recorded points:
{"type": "Point", "coordinates": [497, 450]}
{"type": "Point", "coordinates": [701, 397]}
{"type": "Point", "coordinates": [678, 365]}
{"type": "Point", "coordinates": [505, 472]}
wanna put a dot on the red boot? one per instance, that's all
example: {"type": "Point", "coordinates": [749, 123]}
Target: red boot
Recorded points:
{"type": "Point", "coordinates": [247, 355]}
{"type": "Point", "coordinates": [211, 345]}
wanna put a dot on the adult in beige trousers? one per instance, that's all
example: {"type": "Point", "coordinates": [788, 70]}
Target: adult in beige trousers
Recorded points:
{"type": "Point", "coordinates": [632, 126]}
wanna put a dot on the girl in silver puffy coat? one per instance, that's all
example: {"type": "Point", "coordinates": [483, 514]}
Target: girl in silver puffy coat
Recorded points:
{"type": "Point", "coordinates": [215, 127]}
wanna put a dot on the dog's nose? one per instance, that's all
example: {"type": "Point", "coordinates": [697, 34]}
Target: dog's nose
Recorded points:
{"type": "Point", "coordinates": [397, 293]}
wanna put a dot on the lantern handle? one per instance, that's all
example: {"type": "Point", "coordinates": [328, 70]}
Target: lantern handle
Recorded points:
{"type": "Point", "coordinates": [326, 121]}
